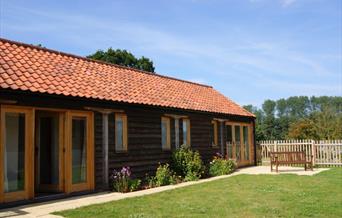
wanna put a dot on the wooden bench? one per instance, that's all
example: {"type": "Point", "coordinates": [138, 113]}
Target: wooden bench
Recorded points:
{"type": "Point", "coordinates": [290, 157]}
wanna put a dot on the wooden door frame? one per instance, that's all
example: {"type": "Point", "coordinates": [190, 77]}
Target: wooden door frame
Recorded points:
{"type": "Point", "coordinates": [65, 120]}
{"type": "Point", "coordinates": [249, 125]}
{"type": "Point", "coordinates": [90, 182]}
{"type": "Point", "coordinates": [28, 191]}
{"type": "Point", "coordinates": [61, 142]}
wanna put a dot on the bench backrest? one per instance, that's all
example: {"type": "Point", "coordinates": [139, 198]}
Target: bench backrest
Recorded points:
{"type": "Point", "coordinates": [288, 156]}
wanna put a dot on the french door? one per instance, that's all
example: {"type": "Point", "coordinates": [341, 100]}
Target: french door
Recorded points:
{"type": "Point", "coordinates": [44, 151]}
{"type": "Point", "coordinates": [240, 142]}
{"type": "Point", "coordinates": [80, 152]}
{"type": "Point", "coordinates": [16, 152]}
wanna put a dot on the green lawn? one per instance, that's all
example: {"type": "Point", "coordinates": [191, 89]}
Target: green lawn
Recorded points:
{"type": "Point", "coordinates": [238, 196]}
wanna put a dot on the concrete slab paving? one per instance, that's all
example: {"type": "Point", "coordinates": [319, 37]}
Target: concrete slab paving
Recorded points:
{"type": "Point", "coordinates": [46, 208]}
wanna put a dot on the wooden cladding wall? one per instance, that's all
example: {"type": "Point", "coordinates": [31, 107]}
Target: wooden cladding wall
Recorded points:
{"type": "Point", "coordinates": [98, 139]}
{"type": "Point", "coordinates": [144, 143]}
{"type": "Point", "coordinates": [144, 131]}
{"type": "Point", "coordinates": [144, 140]}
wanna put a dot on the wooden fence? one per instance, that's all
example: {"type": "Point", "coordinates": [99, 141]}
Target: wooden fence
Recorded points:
{"type": "Point", "coordinates": [324, 152]}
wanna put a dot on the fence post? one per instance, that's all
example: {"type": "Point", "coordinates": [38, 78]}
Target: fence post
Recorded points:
{"type": "Point", "coordinates": [313, 152]}
{"type": "Point", "coordinates": [275, 145]}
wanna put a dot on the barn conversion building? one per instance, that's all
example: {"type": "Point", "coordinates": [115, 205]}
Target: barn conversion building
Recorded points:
{"type": "Point", "coordinates": [67, 121]}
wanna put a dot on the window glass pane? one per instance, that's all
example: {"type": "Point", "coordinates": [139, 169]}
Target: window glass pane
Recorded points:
{"type": "Point", "coordinates": [14, 152]}
{"type": "Point", "coordinates": [246, 142]}
{"type": "Point", "coordinates": [185, 132]}
{"type": "Point", "coordinates": [119, 133]}
{"type": "Point", "coordinates": [79, 150]}
{"type": "Point", "coordinates": [237, 142]}
{"type": "Point", "coordinates": [212, 133]}
{"type": "Point", "coordinates": [229, 141]}
{"type": "Point", "coordinates": [164, 133]}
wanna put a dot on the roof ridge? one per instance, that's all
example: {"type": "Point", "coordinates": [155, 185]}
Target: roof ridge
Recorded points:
{"type": "Point", "coordinates": [99, 61]}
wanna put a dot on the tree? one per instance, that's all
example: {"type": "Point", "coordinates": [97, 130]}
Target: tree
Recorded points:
{"type": "Point", "coordinates": [320, 125]}
{"type": "Point", "coordinates": [327, 124]}
{"type": "Point", "coordinates": [282, 108]}
{"type": "Point", "coordinates": [123, 58]}
{"type": "Point", "coordinates": [302, 129]}
{"type": "Point", "coordinates": [269, 107]}
{"type": "Point", "coordinates": [299, 117]}
{"type": "Point", "coordinates": [298, 106]}
{"type": "Point", "coordinates": [259, 134]}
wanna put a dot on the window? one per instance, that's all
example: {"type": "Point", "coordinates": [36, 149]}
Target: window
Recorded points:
{"type": "Point", "coordinates": [165, 133]}
{"type": "Point", "coordinates": [186, 132]}
{"type": "Point", "coordinates": [214, 133]}
{"type": "Point", "coordinates": [246, 141]}
{"type": "Point", "coordinates": [120, 132]}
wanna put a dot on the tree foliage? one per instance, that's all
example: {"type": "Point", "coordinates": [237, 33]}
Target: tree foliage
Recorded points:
{"type": "Point", "coordinates": [123, 58]}
{"type": "Point", "coordinates": [299, 117]}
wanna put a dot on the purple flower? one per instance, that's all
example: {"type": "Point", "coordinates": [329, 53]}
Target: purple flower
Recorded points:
{"type": "Point", "coordinates": [126, 172]}
{"type": "Point", "coordinates": [218, 154]}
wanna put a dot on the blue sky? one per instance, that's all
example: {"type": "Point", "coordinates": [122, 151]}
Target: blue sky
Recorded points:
{"type": "Point", "coordinates": [250, 50]}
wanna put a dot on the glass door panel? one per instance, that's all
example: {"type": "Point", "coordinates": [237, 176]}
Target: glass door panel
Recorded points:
{"type": "Point", "coordinates": [16, 154]}
{"type": "Point", "coordinates": [229, 141]}
{"type": "Point", "coordinates": [79, 150]}
{"type": "Point", "coordinates": [237, 142]}
{"type": "Point", "coordinates": [246, 142]}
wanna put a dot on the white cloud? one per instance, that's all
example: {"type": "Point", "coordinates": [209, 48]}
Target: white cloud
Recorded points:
{"type": "Point", "coordinates": [283, 3]}
{"type": "Point", "coordinates": [254, 57]}
{"type": "Point", "coordinates": [286, 3]}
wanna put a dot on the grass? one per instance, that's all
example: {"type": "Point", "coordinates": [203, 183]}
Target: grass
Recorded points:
{"type": "Point", "coordinates": [237, 196]}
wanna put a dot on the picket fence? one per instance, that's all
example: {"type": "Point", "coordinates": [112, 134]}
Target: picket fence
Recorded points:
{"type": "Point", "coordinates": [324, 152]}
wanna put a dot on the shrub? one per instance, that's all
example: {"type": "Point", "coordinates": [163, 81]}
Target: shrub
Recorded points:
{"type": "Point", "coordinates": [187, 163]}
{"type": "Point", "coordinates": [220, 166]}
{"type": "Point", "coordinates": [164, 176]}
{"type": "Point", "coordinates": [122, 181]}
{"type": "Point", "coordinates": [151, 181]}
{"type": "Point", "coordinates": [134, 184]}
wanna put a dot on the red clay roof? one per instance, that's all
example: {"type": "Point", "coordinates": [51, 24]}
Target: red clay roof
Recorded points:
{"type": "Point", "coordinates": [30, 68]}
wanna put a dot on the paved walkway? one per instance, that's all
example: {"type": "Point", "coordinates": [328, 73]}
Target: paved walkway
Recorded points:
{"type": "Point", "coordinates": [44, 209]}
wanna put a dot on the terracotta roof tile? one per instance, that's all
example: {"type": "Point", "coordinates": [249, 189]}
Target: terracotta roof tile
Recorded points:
{"type": "Point", "coordinates": [27, 67]}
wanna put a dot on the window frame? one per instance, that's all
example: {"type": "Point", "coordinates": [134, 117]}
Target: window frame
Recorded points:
{"type": "Point", "coordinates": [124, 148]}
{"type": "Point", "coordinates": [167, 146]}
{"type": "Point", "coordinates": [214, 141]}
{"type": "Point", "coordinates": [188, 131]}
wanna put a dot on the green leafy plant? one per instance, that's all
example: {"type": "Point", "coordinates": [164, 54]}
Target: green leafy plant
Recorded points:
{"type": "Point", "coordinates": [220, 166]}
{"type": "Point", "coordinates": [134, 184]}
{"type": "Point", "coordinates": [164, 176]}
{"type": "Point", "coordinates": [151, 181]}
{"type": "Point", "coordinates": [187, 163]}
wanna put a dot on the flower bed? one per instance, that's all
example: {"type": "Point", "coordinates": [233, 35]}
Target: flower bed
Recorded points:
{"type": "Point", "coordinates": [186, 165]}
